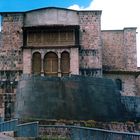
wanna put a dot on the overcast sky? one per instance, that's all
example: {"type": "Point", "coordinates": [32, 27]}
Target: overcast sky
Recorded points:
{"type": "Point", "coordinates": [116, 14]}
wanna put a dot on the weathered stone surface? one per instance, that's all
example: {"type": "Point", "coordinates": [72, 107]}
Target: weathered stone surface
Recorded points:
{"type": "Point", "coordinates": [90, 40]}
{"type": "Point", "coordinates": [0, 39]}
{"type": "Point", "coordinates": [113, 50]}
{"type": "Point", "coordinates": [4, 137]}
{"type": "Point", "coordinates": [12, 40]}
{"type": "Point", "coordinates": [126, 126]}
{"type": "Point", "coordinates": [129, 87]}
{"type": "Point", "coordinates": [138, 85]}
{"type": "Point", "coordinates": [12, 31]}
{"type": "Point", "coordinates": [76, 97]}
{"type": "Point", "coordinates": [119, 49]}
{"type": "Point", "coordinates": [48, 16]}
{"type": "Point", "coordinates": [132, 105]}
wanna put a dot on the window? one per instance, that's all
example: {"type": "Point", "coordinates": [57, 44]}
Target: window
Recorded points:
{"type": "Point", "coordinates": [36, 63]}
{"type": "Point", "coordinates": [50, 37]}
{"type": "Point", "coordinates": [34, 38]}
{"type": "Point", "coordinates": [119, 84]}
{"type": "Point", "coordinates": [67, 37]}
{"type": "Point", "coordinates": [51, 64]}
{"type": "Point", "coordinates": [65, 63]}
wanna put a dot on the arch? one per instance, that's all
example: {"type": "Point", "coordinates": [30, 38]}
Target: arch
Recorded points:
{"type": "Point", "coordinates": [119, 84]}
{"type": "Point", "coordinates": [51, 64]}
{"type": "Point", "coordinates": [65, 63]}
{"type": "Point", "coordinates": [36, 63]}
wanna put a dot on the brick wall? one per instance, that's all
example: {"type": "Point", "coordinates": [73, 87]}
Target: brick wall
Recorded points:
{"type": "Point", "coordinates": [90, 41]}
{"type": "Point", "coordinates": [119, 49]}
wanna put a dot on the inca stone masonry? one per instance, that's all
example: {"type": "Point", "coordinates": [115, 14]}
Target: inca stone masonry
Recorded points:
{"type": "Point", "coordinates": [62, 42]}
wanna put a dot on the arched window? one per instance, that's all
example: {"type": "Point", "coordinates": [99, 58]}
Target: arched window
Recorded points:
{"type": "Point", "coordinates": [119, 84]}
{"type": "Point", "coordinates": [36, 63]}
{"type": "Point", "coordinates": [65, 63]}
{"type": "Point", "coordinates": [51, 64]}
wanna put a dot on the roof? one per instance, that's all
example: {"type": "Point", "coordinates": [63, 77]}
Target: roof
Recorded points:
{"type": "Point", "coordinates": [59, 8]}
{"type": "Point", "coordinates": [119, 30]}
{"type": "Point", "coordinates": [52, 26]}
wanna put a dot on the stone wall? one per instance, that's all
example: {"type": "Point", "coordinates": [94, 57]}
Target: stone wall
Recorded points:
{"type": "Point", "coordinates": [12, 30]}
{"type": "Point", "coordinates": [115, 50]}
{"type": "Point", "coordinates": [128, 83]}
{"type": "Point", "coordinates": [10, 59]}
{"type": "Point", "coordinates": [76, 97]}
{"type": "Point", "coordinates": [11, 64]}
{"type": "Point", "coordinates": [132, 105]}
{"type": "Point", "coordinates": [130, 48]}
{"type": "Point", "coordinates": [90, 41]}
{"type": "Point", "coordinates": [119, 49]}
{"type": "Point", "coordinates": [74, 58]}
{"type": "Point", "coordinates": [27, 64]}
{"type": "Point", "coordinates": [51, 16]}
{"type": "Point", "coordinates": [138, 85]}
{"type": "Point", "coordinates": [0, 39]}
{"type": "Point", "coordinates": [10, 51]}
{"type": "Point", "coordinates": [74, 61]}
{"type": "Point", "coordinates": [128, 126]}
{"type": "Point", "coordinates": [1, 105]}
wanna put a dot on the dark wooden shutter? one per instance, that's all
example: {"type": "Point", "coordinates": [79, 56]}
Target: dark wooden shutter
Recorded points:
{"type": "Point", "coordinates": [65, 63]}
{"type": "Point", "coordinates": [36, 63]}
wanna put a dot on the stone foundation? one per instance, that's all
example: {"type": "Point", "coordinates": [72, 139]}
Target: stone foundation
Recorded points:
{"type": "Point", "coordinates": [114, 126]}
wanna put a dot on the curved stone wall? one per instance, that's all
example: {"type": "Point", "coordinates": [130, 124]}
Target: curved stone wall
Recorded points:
{"type": "Point", "coordinates": [75, 97]}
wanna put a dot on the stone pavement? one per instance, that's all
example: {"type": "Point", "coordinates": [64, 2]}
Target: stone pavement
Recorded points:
{"type": "Point", "coordinates": [3, 137]}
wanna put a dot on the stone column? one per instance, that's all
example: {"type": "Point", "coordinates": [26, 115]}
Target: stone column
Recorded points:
{"type": "Point", "coordinates": [27, 61]}
{"type": "Point", "coordinates": [59, 64]}
{"type": "Point", "coordinates": [42, 64]}
{"type": "Point", "coordinates": [74, 61]}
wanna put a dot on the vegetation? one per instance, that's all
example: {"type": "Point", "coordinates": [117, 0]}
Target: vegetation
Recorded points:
{"type": "Point", "coordinates": [54, 138]}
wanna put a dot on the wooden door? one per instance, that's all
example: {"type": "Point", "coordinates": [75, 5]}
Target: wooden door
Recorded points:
{"type": "Point", "coordinates": [51, 64]}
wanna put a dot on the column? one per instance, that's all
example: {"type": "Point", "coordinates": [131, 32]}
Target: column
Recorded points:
{"type": "Point", "coordinates": [59, 64]}
{"type": "Point", "coordinates": [42, 60]}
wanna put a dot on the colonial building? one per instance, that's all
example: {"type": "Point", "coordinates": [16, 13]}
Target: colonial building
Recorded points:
{"type": "Point", "coordinates": [61, 42]}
